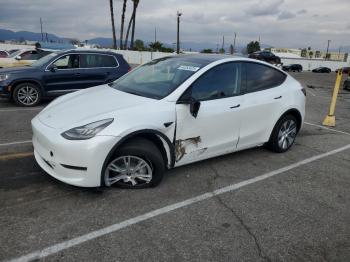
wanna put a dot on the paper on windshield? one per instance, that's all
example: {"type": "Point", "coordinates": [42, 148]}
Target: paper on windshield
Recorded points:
{"type": "Point", "coordinates": [188, 68]}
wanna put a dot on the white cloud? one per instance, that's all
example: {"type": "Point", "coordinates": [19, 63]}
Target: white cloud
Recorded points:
{"type": "Point", "coordinates": [202, 20]}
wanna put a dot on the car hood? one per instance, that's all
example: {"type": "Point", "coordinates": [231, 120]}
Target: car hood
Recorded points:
{"type": "Point", "coordinates": [87, 106]}
{"type": "Point", "coordinates": [17, 70]}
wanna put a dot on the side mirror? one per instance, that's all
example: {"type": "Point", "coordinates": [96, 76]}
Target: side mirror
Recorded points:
{"type": "Point", "coordinates": [53, 68]}
{"type": "Point", "coordinates": [187, 99]}
{"type": "Point", "coordinates": [18, 57]}
{"type": "Point", "coordinates": [194, 107]}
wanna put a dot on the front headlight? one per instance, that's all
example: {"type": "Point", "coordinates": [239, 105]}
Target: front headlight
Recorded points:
{"type": "Point", "coordinates": [87, 131]}
{"type": "Point", "coordinates": [4, 77]}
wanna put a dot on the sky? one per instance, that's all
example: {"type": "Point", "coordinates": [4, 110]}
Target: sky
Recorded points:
{"type": "Point", "coordinates": [279, 23]}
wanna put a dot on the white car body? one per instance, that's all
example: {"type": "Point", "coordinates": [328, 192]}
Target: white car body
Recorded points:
{"type": "Point", "coordinates": [222, 126]}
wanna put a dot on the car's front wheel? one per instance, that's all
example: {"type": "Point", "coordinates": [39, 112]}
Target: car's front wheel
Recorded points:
{"type": "Point", "coordinates": [27, 94]}
{"type": "Point", "coordinates": [284, 134]}
{"type": "Point", "coordinates": [136, 164]}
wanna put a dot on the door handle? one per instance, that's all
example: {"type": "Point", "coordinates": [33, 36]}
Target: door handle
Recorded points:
{"type": "Point", "coordinates": [236, 106]}
{"type": "Point", "coordinates": [279, 97]}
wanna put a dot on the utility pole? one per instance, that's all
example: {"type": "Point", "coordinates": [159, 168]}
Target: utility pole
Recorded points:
{"type": "Point", "coordinates": [327, 49]}
{"type": "Point", "coordinates": [223, 42]}
{"type": "Point", "coordinates": [178, 32]}
{"type": "Point", "coordinates": [155, 34]}
{"type": "Point", "coordinates": [234, 43]}
{"type": "Point", "coordinates": [47, 38]}
{"type": "Point", "coordinates": [41, 29]}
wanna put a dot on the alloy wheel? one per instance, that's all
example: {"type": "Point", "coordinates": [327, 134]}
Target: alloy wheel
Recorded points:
{"type": "Point", "coordinates": [27, 95]}
{"type": "Point", "coordinates": [128, 170]}
{"type": "Point", "coordinates": [287, 134]}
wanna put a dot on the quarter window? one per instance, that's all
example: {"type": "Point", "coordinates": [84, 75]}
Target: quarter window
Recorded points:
{"type": "Point", "coordinates": [219, 82]}
{"type": "Point", "coordinates": [96, 60]}
{"type": "Point", "coordinates": [260, 77]}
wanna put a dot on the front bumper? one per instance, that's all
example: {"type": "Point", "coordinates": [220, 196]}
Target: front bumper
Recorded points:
{"type": "Point", "coordinates": [75, 162]}
{"type": "Point", "coordinates": [4, 91]}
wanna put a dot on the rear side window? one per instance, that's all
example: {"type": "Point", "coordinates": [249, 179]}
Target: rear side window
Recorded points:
{"type": "Point", "coordinates": [97, 60]}
{"type": "Point", "coordinates": [260, 77]}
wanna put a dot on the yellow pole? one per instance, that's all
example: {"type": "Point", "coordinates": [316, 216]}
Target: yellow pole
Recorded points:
{"type": "Point", "coordinates": [330, 118]}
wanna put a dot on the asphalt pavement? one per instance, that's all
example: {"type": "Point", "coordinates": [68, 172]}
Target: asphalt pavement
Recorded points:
{"type": "Point", "coordinates": [253, 205]}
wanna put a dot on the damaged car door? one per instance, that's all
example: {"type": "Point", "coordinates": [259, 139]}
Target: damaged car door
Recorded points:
{"type": "Point", "coordinates": [207, 114]}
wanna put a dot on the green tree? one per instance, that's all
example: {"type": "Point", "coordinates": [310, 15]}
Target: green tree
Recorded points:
{"type": "Point", "coordinates": [207, 51]}
{"type": "Point", "coordinates": [232, 50]}
{"type": "Point", "coordinates": [253, 46]}
{"type": "Point", "coordinates": [156, 46]}
{"type": "Point", "coordinates": [311, 54]}
{"type": "Point", "coordinates": [222, 51]}
{"type": "Point", "coordinates": [139, 45]}
{"type": "Point", "coordinates": [303, 52]}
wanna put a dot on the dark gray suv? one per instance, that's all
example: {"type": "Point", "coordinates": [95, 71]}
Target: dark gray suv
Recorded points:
{"type": "Point", "coordinates": [61, 73]}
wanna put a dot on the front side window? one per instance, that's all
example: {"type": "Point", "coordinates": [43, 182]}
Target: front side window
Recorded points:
{"type": "Point", "coordinates": [219, 82]}
{"type": "Point", "coordinates": [97, 60]}
{"type": "Point", "coordinates": [67, 62]}
{"type": "Point", "coordinates": [160, 77]}
{"type": "Point", "coordinates": [260, 77]}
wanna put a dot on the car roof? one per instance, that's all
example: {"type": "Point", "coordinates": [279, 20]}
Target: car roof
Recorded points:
{"type": "Point", "coordinates": [210, 58]}
{"type": "Point", "coordinates": [92, 51]}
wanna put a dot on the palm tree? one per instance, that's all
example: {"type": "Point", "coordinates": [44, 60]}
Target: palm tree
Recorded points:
{"type": "Point", "coordinates": [131, 21]}
{"type": "Point", "coordinates": [113, 26]}
{"type": "Point", "coordinates": [136, 3]}
{"type": "Point", "coordinates": [122, 24]}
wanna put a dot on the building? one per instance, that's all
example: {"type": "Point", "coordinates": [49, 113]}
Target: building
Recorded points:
{"type": "Point", "coordinates": [309, 53]}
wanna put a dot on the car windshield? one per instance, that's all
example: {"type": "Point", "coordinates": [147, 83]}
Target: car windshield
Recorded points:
{"type": "Point", "coordinates": [160, 77]}
{"type": "Point", "coordinates": [15, 53]}
{"type": "Point", "coordinates": [42, 61]}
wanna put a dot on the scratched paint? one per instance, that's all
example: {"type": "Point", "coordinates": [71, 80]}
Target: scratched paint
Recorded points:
{"type": "Point", "coordinates": [181, 145]}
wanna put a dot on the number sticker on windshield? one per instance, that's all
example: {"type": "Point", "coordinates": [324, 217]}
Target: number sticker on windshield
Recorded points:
{"type": "Point", "coordinates": [188, 68]}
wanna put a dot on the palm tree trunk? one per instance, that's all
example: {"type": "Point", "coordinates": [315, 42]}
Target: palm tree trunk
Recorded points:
{"type": "Point", "coordinates": [113, 26]}
{"type": "Point", "coordinates": [128, 31]}
{"type": "Point", "coordinates": [136, 3]}
{"type": "Point", "coordinates": [122, 25]}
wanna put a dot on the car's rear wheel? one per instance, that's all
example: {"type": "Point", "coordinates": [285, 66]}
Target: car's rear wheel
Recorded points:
{"type": "Point", "coordinates": [284, 134]}
{"type": "Point", "coordinates": [137, 164]}
{"type": "Point", "coordinates": [27, 94]}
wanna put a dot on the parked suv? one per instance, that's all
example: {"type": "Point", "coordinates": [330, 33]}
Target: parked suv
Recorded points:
{"type": "Point", "coordinates": [61, 73]}
{"type": "Point", "coordinates": [293, 68]}
{"type": "Point", "coordinates": [266, 56]}
{"type": "Point", "coordinates": [167, 113]}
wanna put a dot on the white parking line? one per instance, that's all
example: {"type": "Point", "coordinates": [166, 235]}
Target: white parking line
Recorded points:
{"type": "Point", "coordinates": [132, 221]}
{"type": "Point", "coordinates": [327, 128]}
{"type": "Point", "coordinates": [16, 143]}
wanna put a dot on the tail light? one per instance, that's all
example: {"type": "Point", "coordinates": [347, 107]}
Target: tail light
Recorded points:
{"type": "Point", "coordinates": [129, 69]}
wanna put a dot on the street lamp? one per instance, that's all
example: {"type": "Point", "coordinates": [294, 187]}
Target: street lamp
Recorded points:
{"type": "Point", "coordinates": [178, 32]}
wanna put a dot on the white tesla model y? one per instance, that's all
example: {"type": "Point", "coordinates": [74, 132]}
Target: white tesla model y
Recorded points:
{"type": "Point", "coordinates": [167, 113]}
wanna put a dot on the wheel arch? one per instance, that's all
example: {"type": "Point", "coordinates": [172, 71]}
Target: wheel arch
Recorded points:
{"type": "Point", "coordinates": [294, 112]}
{"type": "Point", "coordinates": [161, 141]}
{"type": "Point", "coordinates": [22, 81]}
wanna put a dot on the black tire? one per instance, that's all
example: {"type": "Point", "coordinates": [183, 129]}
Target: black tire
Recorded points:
{"type": "Point", "coordinates": [273, 144]}
{"type": "Point", "coordinates": [33, 99]}
{"type": "Point", "coordinates": [145, 150]}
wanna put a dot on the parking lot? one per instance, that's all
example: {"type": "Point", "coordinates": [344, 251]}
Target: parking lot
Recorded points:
{"type": "Point", "coordinates": [253, 205]}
